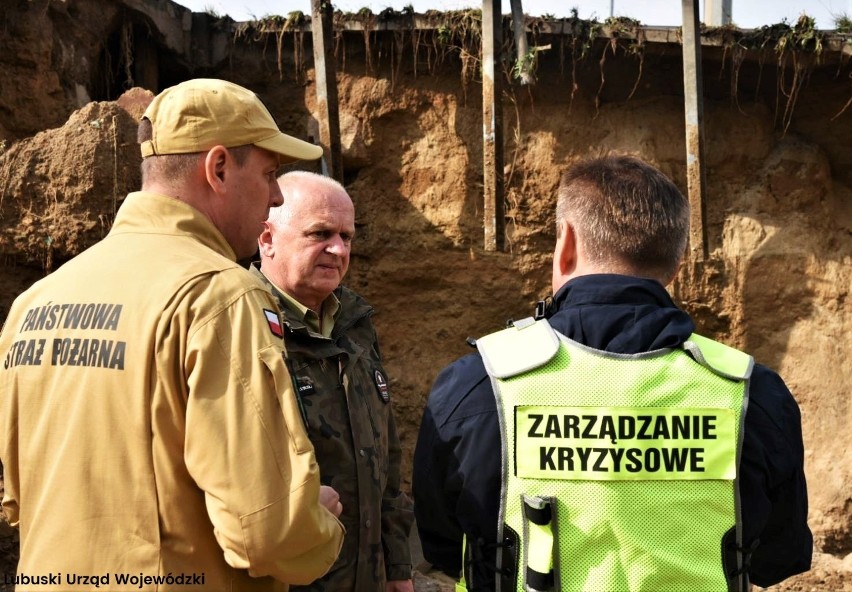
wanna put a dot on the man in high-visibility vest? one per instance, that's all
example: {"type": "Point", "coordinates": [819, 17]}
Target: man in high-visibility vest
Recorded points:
{"type": "Point", "coordinates": [603, 445]}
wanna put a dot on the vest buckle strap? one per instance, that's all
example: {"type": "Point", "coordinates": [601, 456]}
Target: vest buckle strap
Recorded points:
{"type": "Point", "coordinates": [736, 561]}
{"type": "Point", "coordinates": [536, 581]}
{"type": "Point", "coordinates": [539, 541]}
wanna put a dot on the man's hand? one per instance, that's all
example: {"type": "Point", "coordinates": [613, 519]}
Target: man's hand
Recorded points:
{"type": "Point", "coordinates": [400, 586]}
{"type": "Point", "coordinates": [328, 497]}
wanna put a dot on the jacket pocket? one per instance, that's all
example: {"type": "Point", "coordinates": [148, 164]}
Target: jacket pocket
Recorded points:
{"type": "Point", "coordinates": [273, 359]}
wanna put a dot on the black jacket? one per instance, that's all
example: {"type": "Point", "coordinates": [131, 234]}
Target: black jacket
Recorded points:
{"type": "Point", "coordinates": [456, 482]}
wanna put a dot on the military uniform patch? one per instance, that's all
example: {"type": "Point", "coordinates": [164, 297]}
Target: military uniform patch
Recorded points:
{"type": "Point", "coordinates": [382, 386]}
{"type": "Point", "coordinates": [305, 386]}
{"type": "Point", "coordinates": [274, 322]}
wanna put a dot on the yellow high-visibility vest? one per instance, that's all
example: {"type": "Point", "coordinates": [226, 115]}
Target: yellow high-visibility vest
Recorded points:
{"type": "Point", "coordinates": [619, 471]}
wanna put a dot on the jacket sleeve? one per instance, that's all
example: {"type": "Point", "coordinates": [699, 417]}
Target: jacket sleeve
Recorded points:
{"type": "Point", "coordinates": [435, 496]}
{"type": "Point", "coordinates": [397, 514]}
{"type": "Point", "coordinates": [247, 449]}
{"type": "Point", "coordinates": [773, 488]}
{"type": "Point", "coordinates": [9, 476]}
{"type": "Point", "coordinates": [456, 481]}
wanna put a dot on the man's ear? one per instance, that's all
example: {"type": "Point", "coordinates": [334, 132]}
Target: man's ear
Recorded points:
{"type": "Point", "coordinates": [264, 241]}
{"type": "Point", "coordinates": [564, 255]}
{"type": "Point", "coordinates": [215, 167]}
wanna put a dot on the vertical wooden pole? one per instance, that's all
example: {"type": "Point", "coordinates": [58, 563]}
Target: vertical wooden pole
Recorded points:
{"type": "Point", "coordinates": [322, 21]}
{"type": "Point", "coordinates": [694, 107]}
{"type": "Point", "coordinates": [522, 48]}
{"type": "Point", "coordinates": [492, 125]}
{"type": "Point", "coordinates": [717, 13]}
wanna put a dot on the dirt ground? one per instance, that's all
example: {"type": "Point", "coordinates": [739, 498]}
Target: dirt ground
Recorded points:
{"type": "Point", "coordinates": [775, 280]}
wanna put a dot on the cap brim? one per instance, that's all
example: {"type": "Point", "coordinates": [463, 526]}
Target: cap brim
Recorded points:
{"type": "Point", "coordinates": [290, 149]}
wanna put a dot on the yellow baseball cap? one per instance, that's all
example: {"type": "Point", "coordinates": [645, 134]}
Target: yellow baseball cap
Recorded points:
{"type": "Point", "coordinates": [198, 114]}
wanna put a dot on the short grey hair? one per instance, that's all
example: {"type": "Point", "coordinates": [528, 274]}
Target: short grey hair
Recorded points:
{"type": "Point", "coordinates": [626, 213]}
{"type": "Point", "coordinates": [176, 167]}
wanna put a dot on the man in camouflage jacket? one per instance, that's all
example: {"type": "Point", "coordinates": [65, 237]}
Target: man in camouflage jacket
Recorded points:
{"type": "Point", "coordinates": [342, 388]}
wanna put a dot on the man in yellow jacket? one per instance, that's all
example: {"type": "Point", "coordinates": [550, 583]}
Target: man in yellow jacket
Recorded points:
{"type": "Point", "coordinates": [148, 430]}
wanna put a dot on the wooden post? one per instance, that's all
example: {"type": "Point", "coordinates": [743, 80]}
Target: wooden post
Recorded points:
{"type": "Point", "coordinates": [693, 90]}
{"type": "Point", "coordinates": [322, 20]}
{"type": "Point", "coordinates": [492, 125]}
{"type": "Point", "coordinates": [522, 48]}
{"type": "Point", "coordinates": [717, 13]}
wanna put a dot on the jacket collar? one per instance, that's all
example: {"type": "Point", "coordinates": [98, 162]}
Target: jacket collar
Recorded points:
{"type": "Point", "coordinates": [352, 308]}
{"type": "Point", "coordinates": [610, 288]}
{"type": "Point", "coordinates": [619, 313]}
{"type": "Point", "coordinates": [150, 213]}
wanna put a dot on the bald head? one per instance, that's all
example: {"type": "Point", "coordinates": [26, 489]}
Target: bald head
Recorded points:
{"type": "Point", "coordinates": [298, 186]}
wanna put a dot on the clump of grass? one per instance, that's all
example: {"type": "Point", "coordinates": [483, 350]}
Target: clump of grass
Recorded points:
{"type": "Point", "coordinates": [843, 24]}
{"type": "Point", "coordinates": [295, 19]}
{"type": "Point", "coordinates": [211, 10]}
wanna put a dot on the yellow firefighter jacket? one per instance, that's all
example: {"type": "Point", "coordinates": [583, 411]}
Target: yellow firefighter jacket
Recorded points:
{"type": "Point", "coordinates": [148, 429]}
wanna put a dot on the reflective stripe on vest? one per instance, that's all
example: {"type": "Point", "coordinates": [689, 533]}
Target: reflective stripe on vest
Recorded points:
{"type": "Point", "coordinates": [637, 455]}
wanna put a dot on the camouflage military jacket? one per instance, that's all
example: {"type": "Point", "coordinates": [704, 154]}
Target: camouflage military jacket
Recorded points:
{"type": "Point", "coordinates": [344, 394]}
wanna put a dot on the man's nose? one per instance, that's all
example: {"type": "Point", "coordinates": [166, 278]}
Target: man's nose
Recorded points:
{"type": "Point", "coordinates": [336, 245]}
{"type": "Point", "coordinates": [275, 198]}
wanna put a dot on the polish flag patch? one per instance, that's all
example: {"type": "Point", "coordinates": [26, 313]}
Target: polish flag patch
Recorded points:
{"type": "Point", "coordinates": [274, 322]}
